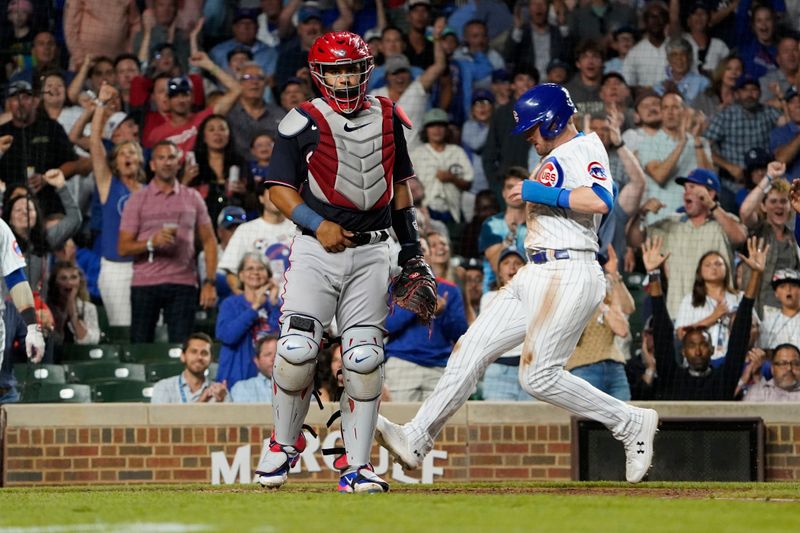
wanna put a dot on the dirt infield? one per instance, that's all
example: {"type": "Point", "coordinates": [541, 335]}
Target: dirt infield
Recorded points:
{"type": "Point", "coordinates": [765, 492]}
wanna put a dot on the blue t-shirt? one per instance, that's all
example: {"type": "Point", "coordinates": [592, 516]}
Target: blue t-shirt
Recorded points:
{"type": "Point", "coordinates": [494, 230]}
{"type": "Point", "coordinates": [118, 195]}
{"type": "Point", "coordinates": [784, 135]}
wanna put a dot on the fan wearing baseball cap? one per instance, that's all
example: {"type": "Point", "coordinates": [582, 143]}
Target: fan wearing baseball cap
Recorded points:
{"type": "Point", "coordinates": [781, 323]}
{"type": "Point", "coordinates": [767, 213]}
{"type": "Point", "coordinates": [245, 37]}
{"type": "Point", "coordinates": [704, 225]}
{"type": "Point", "coordinates": [739, 127]}
{"type": "Point", "coordinates": [182, 123]}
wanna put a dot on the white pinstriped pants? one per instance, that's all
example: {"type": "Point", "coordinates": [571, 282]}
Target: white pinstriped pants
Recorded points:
{"type": "Point", "coordinates": [548, 306]}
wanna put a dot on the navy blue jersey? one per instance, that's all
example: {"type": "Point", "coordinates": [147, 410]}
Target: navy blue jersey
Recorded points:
{"type": "Point", "coordinates": [289, 166]}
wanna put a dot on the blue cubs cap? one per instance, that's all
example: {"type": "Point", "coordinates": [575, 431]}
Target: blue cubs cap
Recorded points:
{"type": "Point", "coordinates": [307, 13]}
{"type": "Point", "coordinates": [246, 14]}
{"type": "Point", "coordinates": [500, 75]}
{"type": "Point", "coordinates": [510, 250]}
{"type": "Point", "coordinates": [756, 158]}
{"type": "Point", "coordinates": [179, 85]}
{"type": "Point", "coordinates": [472, 263]}
{"type": "Point", "coordinates": [701, 176]}
{"type": "Point", "coordinates": [482, 95]}
{"type": "Point", "coordinates": [231, 216]}
{"type": "Point", "coordinates": [746, 79]}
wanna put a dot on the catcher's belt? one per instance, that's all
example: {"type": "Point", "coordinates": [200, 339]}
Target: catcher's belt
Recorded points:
{"type": "Point", "coordinates": [360, 238]}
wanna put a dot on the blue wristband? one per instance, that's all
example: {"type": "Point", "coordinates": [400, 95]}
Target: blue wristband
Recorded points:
{"type": "Point", "coordinates": [535, 192]}
{"type": "Point", "coordinates": [304, 216]}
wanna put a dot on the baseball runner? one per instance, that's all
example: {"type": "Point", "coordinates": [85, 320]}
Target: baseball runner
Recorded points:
{"type": "Point", "coordinates": [549, 301]}
{"type": "Point", "coordinates": [12, 264]}
{"type": "Point", "coordinates": [339, 171]}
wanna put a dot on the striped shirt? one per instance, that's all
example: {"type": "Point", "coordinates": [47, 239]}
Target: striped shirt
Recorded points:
{"type": "Point", "coordinates": [686, 245]}
{"type": "Point", "coordinates": [736, 131]}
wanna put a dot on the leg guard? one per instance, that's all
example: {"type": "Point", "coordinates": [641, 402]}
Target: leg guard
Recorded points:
{"type": "Point", "coordinates": [362, 361]}
{"type": "Point", "coordinates": [293, 375]}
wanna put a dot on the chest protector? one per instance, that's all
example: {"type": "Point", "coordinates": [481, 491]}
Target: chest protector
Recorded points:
{"type": "Point", "coordinates": [352, 165]}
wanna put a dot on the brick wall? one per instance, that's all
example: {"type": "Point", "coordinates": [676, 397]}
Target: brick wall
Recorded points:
{"type": "Point", "coordinates": [69, 445]}
{"type": "Point", "coordinates": [783, 452]}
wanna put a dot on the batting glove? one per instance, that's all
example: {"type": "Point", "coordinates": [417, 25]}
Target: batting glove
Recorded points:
{"type": "Point", "coordinates": [34, 343]}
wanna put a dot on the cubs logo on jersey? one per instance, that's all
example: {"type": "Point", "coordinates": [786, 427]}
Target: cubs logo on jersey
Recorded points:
{"type": "Point", "coordinates": [550, 173]}
{"type": "Point", "coordinates": [16, 248]}
{"type": "Point", "coordinates": [597, 171]}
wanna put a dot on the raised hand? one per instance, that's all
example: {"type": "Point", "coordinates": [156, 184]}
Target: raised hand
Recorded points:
{"type": "Point", "coordinates": [148, 20]}
{"type": "Point", "coordinates": [699, 125]}
{"type": "Point", "coordinates": [55, 178]}
{"type": "Point", "coordinates": [612, 264]}
{"type": "Point", "coordinates": [757, 252]}
{"type": "Point", "coordinates": [201, 60]}
{"type": "Point", "coordinates": [652, 205]}
{"type": "Point", "coordinates": [441, 304]}
{"type": "Point", "coordinates": [794, 195]}
{"type": "Point", "coordinates": [651, 253]}
{"type": "Point", "coordinates": [107, 92]}
{"type": "Point", "coordinates": [614, 132]}
{"type": "Point", "coordinates": [198, 27]}
{"type": "Point", "coordinates": [5, 143]}
{"type": "Point", "coordinates": [776, 169]}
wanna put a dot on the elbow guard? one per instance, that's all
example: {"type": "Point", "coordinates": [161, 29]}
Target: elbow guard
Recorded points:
{"type": "Point", "coordinates": [404, 223]}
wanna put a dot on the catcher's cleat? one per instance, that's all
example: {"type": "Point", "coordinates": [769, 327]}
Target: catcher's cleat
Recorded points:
{"type": "Point", "coordinates": [276, 461]}
{"type": "Point", "coordinates": [393, 437]}
{"type": "Point", "coordinates": [639, 450]}
{"type": "Point", "coordinates": [362, 479]}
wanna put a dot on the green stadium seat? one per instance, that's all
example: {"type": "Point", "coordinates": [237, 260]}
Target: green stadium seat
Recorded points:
{"type": "Point", "coordinates": [104, 371]}
{"type": "Point", "coordinates": [151, 352]}
{"type": "Point", "coordinates": [120, 334]}
{"type": "Point", "coordinates": [206, 321]}
{"type": "Point", "coordinates": [161, 334]}
{"type": "Point", "coordinates": [122, 390]}
{"type": "Point", "coordinates": [102, 318]}
{"type": "Point", "coordinates": [157, 371]}
{"type": "Point", "coordinates": [55, 393]}
{"type": "Point", "coordinates": [90, 352]}
{"type": "Point", "coordinates": [30, 373]}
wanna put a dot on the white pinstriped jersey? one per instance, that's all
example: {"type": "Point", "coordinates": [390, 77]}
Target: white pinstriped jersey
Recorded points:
{"type": "Point", "coordinates": [580, 162]}
{"type": "Point", "coordinates": [11, 259]}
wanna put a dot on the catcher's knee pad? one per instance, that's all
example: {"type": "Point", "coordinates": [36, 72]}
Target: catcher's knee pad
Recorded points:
{"type": "Point", "coordinates": [297, 351]}
{"type": "Point", "coordinates": [362, 361]}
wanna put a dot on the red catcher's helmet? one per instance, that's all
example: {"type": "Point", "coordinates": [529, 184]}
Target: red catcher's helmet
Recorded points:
{"type": "Point", "coordinates": [333, 51]}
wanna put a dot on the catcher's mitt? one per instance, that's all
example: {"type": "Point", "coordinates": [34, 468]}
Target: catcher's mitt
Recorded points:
{"type": "Point", "coordinates": [415, 289]}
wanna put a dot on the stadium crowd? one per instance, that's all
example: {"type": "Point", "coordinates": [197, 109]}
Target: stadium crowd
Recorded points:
{"type": "Point", "coordinates": [160, 116]}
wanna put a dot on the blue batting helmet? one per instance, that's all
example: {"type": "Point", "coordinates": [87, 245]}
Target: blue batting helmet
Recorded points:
{"type": "Point", "coordinates": [548, 105]}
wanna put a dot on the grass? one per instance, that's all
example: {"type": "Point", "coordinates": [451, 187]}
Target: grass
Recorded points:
{"type": "Point", "coordinates": [445, 507]}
